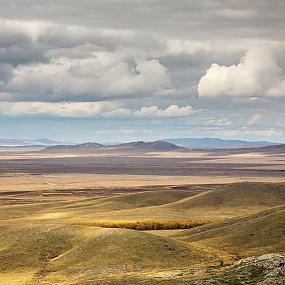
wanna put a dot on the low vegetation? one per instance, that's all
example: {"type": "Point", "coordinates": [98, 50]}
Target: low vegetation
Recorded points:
{"type": "Point", "coordinates": [147, 225]}
{"type": "Point", "coordinates": [158, 235]}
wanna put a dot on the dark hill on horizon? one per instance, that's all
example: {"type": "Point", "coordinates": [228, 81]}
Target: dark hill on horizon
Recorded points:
{"type": "Point", "coordinates": [279, 148]}
{"type": "Point", "coordinates": [150, 146]}
{"type": "Point", "coordinates": [217, 143]}
{"type": "Point", "coordinates": [132, 146]}
{"type": "Point", "coordinates": [270, 149]}
{"type": "Point", "coordinates": [77, 147]}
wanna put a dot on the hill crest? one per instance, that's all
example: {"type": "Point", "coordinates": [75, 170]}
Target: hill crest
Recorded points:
{"type": "Point", "coordinates": [131, 146]}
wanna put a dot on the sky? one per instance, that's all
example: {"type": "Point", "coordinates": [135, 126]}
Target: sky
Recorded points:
{"type": "Point", "coordinates": [124, 70]}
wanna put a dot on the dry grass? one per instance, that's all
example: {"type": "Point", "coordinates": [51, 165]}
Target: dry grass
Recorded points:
{"type": "Point", "coordinates": [73, 254]}
{"type": "Point", "coordinates": [59, 241]}
{"type": "Point", "coordinates": [254, 234]}
{"type": "Point", "coordinates": [147, 225]}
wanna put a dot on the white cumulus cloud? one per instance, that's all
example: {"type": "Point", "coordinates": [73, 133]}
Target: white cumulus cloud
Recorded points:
{"type": "Point", "coordinates": [106, 109]}
{"type": "Point", "coordinates": [171, 111]}
{"type": "Point", "coordinates": [257, 74]}
{"type": "Point", "coordinates": [104, 75]}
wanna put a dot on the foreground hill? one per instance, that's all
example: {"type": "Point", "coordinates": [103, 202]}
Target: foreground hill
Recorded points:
{"type": "Point", "coordinates": [54, 254]}
{"type": "Point", "coordinates": [52, 242]}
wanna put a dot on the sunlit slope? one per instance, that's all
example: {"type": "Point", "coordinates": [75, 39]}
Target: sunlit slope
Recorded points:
{"type": "Point", "coordinates": [238, 195]}
{"type": "Point", "coordinates": [75, 208]}
{"type": "Point", "coordinates": [226, 202]}
{"type": "Point", "coordinates": [108, 208]}
{"type": "Point", "coordinates": [255, 234]}
{"type": "Point", "coordinates": [131, 201]}
{"type": "Point", "coordinates": [53, 252]}
{"type": "Point", "coordinates": [120, 248]}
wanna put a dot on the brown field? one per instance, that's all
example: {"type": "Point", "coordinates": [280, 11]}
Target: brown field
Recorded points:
{"type": "Point", "coordinates": [50, 171]}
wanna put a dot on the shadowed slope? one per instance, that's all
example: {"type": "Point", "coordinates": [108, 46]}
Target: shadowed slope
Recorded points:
{"type": "Point", "coordinates": [255, 234]}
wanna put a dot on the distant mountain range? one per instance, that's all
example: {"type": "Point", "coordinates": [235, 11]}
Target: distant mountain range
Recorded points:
{"type": "Point", "coordinates": [75, 147]}
{"type": "Point", "coordinates": [156, 145]}
{"type": "Point", "coordinates": [172, 144]}
{"type": "Point", "coordinates": [210, 143]}
{"type": "Point", "coordinates": [132, 146]}
{"type": "Point", "coordinates": [278, 148]}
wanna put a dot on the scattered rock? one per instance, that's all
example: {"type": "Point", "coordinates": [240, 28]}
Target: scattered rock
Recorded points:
{"type": "Point", "coordinates": [268, 269]}
{"type": "Point", "coordinates": [272, 266]}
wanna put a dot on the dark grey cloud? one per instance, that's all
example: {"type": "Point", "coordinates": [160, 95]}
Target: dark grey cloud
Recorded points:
{"type": "Point", "coordinates": [17, 48]}
{"type": "Point", "coordinates": [185, 18]}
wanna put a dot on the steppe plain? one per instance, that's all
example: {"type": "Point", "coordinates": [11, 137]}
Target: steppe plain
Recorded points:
{"type": "Point", "coordinates": [55, 208]}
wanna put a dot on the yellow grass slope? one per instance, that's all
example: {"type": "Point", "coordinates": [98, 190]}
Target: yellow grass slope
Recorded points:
{"type": "Point", "coordinates": [238, 195]}
{"type": "Point", "coordinates": [53, 254]}
{"type": "Point", "coordinates": [254, 234]}
{"type": "Point", "coordinates": [228, 201]}
{"type": "Point", "coordinates": [131, 201]}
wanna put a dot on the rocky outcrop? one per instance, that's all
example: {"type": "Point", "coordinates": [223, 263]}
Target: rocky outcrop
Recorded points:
{"type": "Point", "coordinates": [271, 266]}
{"type": "Point", "coordinates": [268, 269]}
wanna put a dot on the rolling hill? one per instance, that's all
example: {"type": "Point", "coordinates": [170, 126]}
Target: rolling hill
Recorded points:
{"type": "Point", "coordinates": [131, 201]}
{"type": "Point", "coordinates": [238, 195]}
{"type": "Point", "coordinates": [254, 234]}
{"type": "Point", "coordinates": [55, 254]}
{"type": "Point", "coordinates": [228, 201]}
{"type": "Point", "coordinates": [49, 243]}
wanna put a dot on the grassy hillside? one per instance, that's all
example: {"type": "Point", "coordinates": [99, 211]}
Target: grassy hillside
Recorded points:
{"type": "Point", "coordinates": [53, 242]}
{"type": "Point", "coordinates": [254, 234]}
{"type": "Point", "coordinates": [131, 201]}
{"type": "Point", "coordinates": [238, 195]}
{"type": "Point", "coordinates": [80, 206]}
{"type": "Point", "coordinates": [226, 202]}
{"type": "Point", "coordinates": [51, 253]}
{"type": "Point", "coordinates": [162, 205]}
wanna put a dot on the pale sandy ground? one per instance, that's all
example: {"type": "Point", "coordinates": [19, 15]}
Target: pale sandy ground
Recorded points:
{"type": "Point", "coordinates": [27, 182]}
{"type": "Point", "coordinates": [252, 157]}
